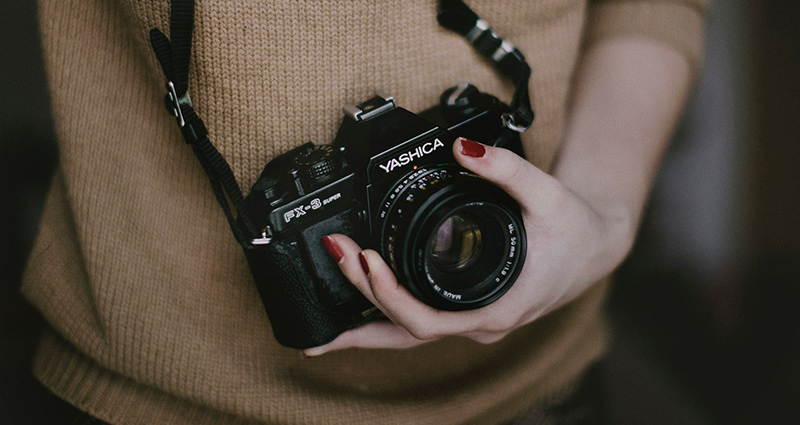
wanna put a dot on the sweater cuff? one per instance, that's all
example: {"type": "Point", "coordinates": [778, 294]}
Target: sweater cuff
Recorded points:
{"type": "Point", "coordinates": [679, 25]}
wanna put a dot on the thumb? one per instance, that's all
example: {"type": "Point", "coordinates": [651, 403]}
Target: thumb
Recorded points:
{"type": "Point", "coordinates": [528, 185]}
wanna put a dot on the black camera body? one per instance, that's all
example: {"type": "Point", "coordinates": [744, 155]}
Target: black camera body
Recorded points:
{"type": "Point", "coordinates": [389, 181]}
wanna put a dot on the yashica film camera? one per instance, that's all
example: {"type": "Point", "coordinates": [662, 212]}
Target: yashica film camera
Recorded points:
{"type": "Point", "coordinates": [389, 181]}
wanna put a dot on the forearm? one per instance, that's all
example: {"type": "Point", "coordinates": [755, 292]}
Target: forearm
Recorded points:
{"type": "Point", "coordinates": [627, 99]}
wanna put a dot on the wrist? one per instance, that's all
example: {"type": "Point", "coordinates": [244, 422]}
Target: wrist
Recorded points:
{"type": "Point", "coordinates": [617, 224]}
{"type": "Point", "coordinates": [622, 223]}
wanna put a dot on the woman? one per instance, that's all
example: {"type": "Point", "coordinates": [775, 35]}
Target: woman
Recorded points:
{"type": "Point", "coordinates": [154, 317]}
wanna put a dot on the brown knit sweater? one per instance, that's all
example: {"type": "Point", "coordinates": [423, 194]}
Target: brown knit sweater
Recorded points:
{"type": "Point", "coordinates": [153, 313]}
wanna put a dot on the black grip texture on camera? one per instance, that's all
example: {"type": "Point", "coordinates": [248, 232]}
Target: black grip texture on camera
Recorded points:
{"type": "Point", "coordinates": [298, 319]}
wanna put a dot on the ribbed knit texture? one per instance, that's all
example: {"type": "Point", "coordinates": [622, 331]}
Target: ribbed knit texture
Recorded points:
{"type": "Point", "coordinates": [154, 316]}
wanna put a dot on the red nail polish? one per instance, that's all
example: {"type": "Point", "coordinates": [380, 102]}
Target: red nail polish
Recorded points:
{"type": "Point", "coordinates": [363, 260]}
{"type": "Point", "coordinates": [472, 149]}
{"type": "Point", "coordinates": [332, 248]}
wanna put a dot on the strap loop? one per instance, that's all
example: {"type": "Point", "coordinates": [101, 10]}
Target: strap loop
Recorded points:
{"type": "Point", "coordinates": [458, 17]}
{"type": "Point", "coordinates": [174, 103]}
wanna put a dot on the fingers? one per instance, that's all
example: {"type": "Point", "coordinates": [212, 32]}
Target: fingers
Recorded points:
{"type": "Point", "coordinates": [376, 280]}
{"type": "Point", "coordinates": [512, 173]}
{"type": "Point", "coordinates": [349, 258]}
{"type": "Point", "coordinates": [421, 320]}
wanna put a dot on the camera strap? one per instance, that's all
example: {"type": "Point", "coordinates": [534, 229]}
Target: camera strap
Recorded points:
{"type": "Point", "coordinates": [174, 55]}
{"type": "Point", "coordinates": [458, 17]}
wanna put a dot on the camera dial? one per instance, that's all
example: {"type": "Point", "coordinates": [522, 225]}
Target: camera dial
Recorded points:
{"type": "Point", "coordinates": [317, 165]}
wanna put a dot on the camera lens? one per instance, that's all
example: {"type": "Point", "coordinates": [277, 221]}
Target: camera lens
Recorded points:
{"type": "Point", "coordinates": [456, 243]}
{"type": "Point", "coordinates": [454, 240]}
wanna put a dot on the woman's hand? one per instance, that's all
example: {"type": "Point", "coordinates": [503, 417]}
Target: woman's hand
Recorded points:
{"type": "Point", "coordinates": [570, 246]}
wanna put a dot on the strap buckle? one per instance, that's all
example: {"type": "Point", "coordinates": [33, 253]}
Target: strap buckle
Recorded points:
{"type": "Point", "coordinates": [488, 42]}
{"type": "Point", "coordinates": [174, 103]}
{"type": "Point", "coordinates": [505, 49]}
{"type": "Point", "coordinates": [477, 31]}
{"type": "Point", "coordinates": [510, 123]}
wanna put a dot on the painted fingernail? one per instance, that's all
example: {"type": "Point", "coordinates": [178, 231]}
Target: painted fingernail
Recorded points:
{"type": "Point", "coordinates": [472, 149]}
{"type": "Point", "coordinates": [363, 260]}
{"type": "Point", "coordinates": [332, 248]}
{"type": "Point", "coordinates": [304, 355]}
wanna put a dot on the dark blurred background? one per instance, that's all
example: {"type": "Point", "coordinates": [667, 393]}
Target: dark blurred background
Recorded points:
{"type": "Point", "coordinates": [705, 310]}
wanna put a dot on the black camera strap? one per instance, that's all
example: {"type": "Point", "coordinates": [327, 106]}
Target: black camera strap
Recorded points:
{"type": "Point", "coordinates": [458, 17]}
{"type": "Point", "coordinates": [174, 56]}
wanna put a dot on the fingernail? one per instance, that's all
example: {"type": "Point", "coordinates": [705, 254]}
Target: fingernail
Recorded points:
{"type": "Point", "coordinates": [363, 260]}
{"type": "Point", "coordinates": [304, 355]}
{"type": "Point", "coordinates": [472, 149]}
{"type": "Point", "coordinates": [332, 248]}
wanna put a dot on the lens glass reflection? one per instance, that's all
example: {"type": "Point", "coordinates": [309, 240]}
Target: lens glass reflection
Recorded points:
{"type": "Point", "coordinates": [456, 243]}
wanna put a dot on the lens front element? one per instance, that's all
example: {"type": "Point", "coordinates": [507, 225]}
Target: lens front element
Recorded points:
{"type": "Point", "coordinates": [456, 244]}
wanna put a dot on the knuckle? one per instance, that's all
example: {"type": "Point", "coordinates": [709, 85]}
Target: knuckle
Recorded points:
{"type": "Point", "coordinates": [423, 333]}
{"type": "Point", "coordinates": [490, 338]}
{"type": "Point", "coordinates": [383, 287]}
{"type": "Point", "coordinates": [361, 282]}
{"type": "Point", "coordinates": [501, 323]}
{"type": "Point", "coordinates": [562, 195]}
{"type": "Point", "coordinates": [512, 169]}
{"type": "Point", "coordinates": [557, 199]}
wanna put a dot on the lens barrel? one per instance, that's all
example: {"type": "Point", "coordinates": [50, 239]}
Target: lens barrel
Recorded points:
{"type": "Point", "coordinates": [455, 240]}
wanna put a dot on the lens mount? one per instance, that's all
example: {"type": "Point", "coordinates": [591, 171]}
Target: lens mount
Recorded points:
{"type": "Point", "coordinates": [455, 240]}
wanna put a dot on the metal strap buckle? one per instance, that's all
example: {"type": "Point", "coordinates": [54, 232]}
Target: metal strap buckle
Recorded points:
{"type": "Point", "coordinates": [174, 103]}
{"type": "Point", "coordinates": [477, 31]}
{"type": "Point", "coordinates": [510, 123]}
{"type": "Point", "coordinates": [505, 49]}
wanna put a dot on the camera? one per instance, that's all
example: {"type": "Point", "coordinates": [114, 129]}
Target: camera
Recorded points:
{"type": "Point", "coordinates": [389, 181]}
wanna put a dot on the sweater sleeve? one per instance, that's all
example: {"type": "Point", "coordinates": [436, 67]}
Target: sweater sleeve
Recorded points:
{"type": "Point", "coordinates": [678, 23]}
